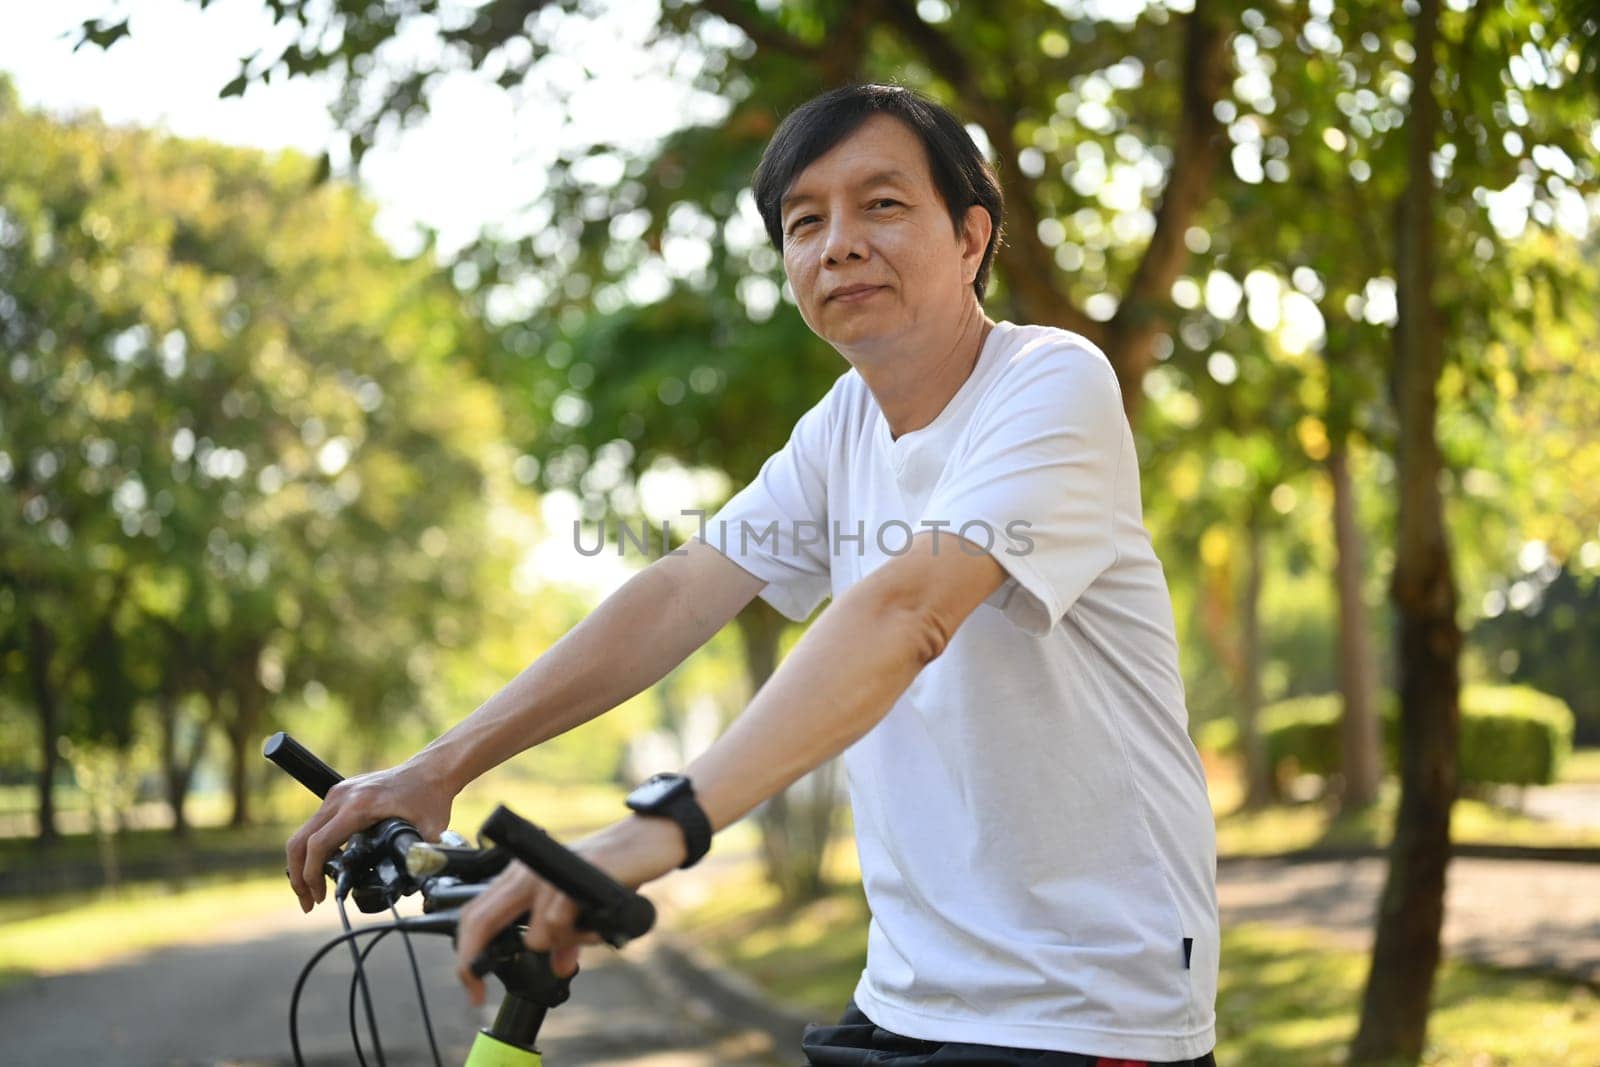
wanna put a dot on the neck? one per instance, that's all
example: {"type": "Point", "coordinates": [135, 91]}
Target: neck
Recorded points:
{"type": "Point", "coordinates": [913, 384]}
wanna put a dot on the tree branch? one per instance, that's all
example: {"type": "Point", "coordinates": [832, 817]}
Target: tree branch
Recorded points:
{"type": "Point", "coordinates": [1189, 185]}
{"type": "Point", "coordinates": [1030, 269]}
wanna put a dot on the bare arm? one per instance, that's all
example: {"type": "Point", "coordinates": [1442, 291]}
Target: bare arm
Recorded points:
{"type": "Point", "coordinates": [845, 674]}
{"type": "Point", "coordinates": [630, 642]}
{"type": "Point", "coordinates": [638, 634]}
{"type": "Point", "coordinates": [840, 680]}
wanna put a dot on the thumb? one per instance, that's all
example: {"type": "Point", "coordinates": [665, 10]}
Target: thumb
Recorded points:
{"type": "Point", "coordinates": [433, 825]}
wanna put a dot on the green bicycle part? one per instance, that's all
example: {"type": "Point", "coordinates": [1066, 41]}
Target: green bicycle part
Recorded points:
{"type": "Point", "coordinates": [488, 1051]}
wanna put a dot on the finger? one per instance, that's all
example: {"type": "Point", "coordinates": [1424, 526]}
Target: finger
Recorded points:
{"type": "Point", "coordinates": [295, 854]}
{"type": "Point", "coordinates": [324, 843]}
{"type": "Point", "coordinates": [564, 961]}
{"type": "Point", "coordinates": [537, 937]}
{"type": "Point", "coordinates": [487, 914]}
{"type": "Point", "coordinates": [471, 937]}
{"type": "Point", "coordinates": [507, 896]}
{"type": "Point", "coordinates": [561, 911]}
{"type": "Point", "coordinates": [555, 919]}
{"type": "Point", "coordinates": [471, 983]}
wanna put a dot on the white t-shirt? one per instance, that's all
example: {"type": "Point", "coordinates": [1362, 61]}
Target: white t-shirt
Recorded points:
{"type": "Point", "coordinates": [1036, 843]}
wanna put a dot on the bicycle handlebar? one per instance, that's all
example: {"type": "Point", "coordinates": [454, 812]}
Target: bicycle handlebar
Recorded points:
{"type": "Point", "coordinates": [606, 907]}
{"type": "Point", "coordinates": [299, 763]}
{"type": "Point", "coordinates": [390, 859]}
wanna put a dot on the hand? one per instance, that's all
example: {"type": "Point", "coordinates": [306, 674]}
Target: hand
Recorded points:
{"type": "Point", "coordinates": [633, 851]}
{"type": "Point", "coordinates": [411, 791]}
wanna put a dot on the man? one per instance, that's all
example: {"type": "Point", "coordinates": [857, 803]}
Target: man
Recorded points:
{"type": "Point", "coordinates": [997, 664]}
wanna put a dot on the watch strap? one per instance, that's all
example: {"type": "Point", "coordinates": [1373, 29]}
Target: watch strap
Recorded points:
{"type": "Point", "coordinates": [682, 808]}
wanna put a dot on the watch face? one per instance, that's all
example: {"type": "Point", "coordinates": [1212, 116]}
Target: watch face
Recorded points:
{"type": "Point", "coordinates": [656, 790]}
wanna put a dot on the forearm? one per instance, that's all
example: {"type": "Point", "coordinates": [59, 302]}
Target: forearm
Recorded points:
{"type": "Point", "coordinates": [840, 680]}
{"type": "Point", "coordinates": [637, 635]}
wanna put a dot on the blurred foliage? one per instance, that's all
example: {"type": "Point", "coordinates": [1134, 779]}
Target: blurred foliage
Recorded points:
{"type": "Point", "coordinates": [1542, 632]}
{"type": "Point", "coordinates": [241, 459]}
{"type": "Point", "coordinates": [1510, 735]}
{"type": "Point", "coordinates": [639, 321]}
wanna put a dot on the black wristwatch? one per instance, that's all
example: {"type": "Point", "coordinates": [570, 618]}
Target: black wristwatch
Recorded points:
{"type": "Point", "coordinates": [670, 796]}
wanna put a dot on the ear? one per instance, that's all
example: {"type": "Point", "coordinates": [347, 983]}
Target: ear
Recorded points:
{"type": "Point", "coordinates": [976, 227]}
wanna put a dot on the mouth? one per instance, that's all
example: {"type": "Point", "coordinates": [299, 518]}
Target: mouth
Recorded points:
{"type": "Point", "coordinates": [851, 293]}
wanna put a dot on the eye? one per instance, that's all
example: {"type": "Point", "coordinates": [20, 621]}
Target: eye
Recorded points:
{"type": "Point", "coordinates": [886, 201]}
{"type": "Point", "coordinates": [799, 222]}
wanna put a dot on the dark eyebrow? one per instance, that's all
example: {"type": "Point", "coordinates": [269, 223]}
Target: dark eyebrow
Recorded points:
{"type": "Point", "coordinates": [881, 177]}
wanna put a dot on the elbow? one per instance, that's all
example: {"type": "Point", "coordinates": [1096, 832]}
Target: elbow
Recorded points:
{"type": "Point", "coordinates": [913, 623]}
{"type": "Point", "coordinates": [932, 636]}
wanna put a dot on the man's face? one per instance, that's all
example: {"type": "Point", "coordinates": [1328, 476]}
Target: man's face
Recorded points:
{"type": "Point", "coordinates": [868, 246]}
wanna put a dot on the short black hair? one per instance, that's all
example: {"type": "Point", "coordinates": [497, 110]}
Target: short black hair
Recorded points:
{"type": "Point", "coordinates": [960, 172]}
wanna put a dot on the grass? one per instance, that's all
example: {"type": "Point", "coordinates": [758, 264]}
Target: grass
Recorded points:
{"type": "Point", "coordinates": [67, 931]}
{"type": "Point", "coordinates": [808, 957]}
{"type": "Point", "coordinates": [1284, 997]}
{"type": "Point", "coordinates": [84, 930]}
{"type": "Point", "coordinates": [139, 845]}
{"type": "Point", "coordinates": [1291, 827]}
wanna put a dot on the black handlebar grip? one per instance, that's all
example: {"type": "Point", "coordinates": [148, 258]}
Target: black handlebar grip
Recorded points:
{"type": "Point", "coordinates": [300, 764]}
{"type": "Point", "coordinates": [608, 908]}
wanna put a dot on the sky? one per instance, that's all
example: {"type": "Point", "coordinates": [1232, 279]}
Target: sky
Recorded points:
{"type": "Point", "coordinates": [477, 161]}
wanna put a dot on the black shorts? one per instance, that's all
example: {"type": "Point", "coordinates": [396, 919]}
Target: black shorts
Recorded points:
{"type": "Point", "coordinates": [857, 1042]}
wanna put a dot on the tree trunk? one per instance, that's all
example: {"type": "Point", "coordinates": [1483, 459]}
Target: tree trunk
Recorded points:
{"type": "Point", "coordinates": [1405, 954]}
{"type": "Point", "coordinates": [243, 733]}
{"type": "Point", "coordinates": [105, 820]}
{"type": "Point", "coordinates": [178, 764]}
{"type": "Point", "coordinates": [797, 823]}
{"type": "Point", "coordinates": [1359, 733]}
{"type": "Point", "coordinates": [1258, 772]}
{"type": "Point", "coordinates": [41, 648]}
{"type": "Point", "coordinates": [1199, 146]}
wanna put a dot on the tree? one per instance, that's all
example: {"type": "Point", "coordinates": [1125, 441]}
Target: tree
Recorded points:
{"type": "Point", "coordinates": [1406, 951]}
{"type": "Point", "coordinates": [244, 457]}
{"type": "Point", "coordinates": [1108, 136]}
{"type": "Point", "coordinates": [990, 61]}
{"type": "Point", "coordinates": [1471, 70]}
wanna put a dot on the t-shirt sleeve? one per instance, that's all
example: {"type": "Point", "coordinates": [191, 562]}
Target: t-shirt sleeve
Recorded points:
{"type": "Point", "coordinates": [1036, 483]}
{"type": "Point", "coordinates": [775, 527]}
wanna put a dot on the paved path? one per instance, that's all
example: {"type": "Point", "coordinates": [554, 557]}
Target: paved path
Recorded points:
{"type": "Point", "coordinates": [1508, 913]}
{"type": "Point", "coordinates": [1575, 804]}
{"type": "Point", "coordinates": [228, 1005]}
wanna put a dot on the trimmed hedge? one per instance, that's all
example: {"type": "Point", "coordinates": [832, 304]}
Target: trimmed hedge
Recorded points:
{"type": "Point", "coordinates": [1513, 735]}
{"type": "Point", "coordinates": [1510, 735]}
{"type": "Point", "coordinates": [1306, 731]}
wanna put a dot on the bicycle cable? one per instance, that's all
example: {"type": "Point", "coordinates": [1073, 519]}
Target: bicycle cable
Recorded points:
{"type": "Point", "coordinates": [360, 978]}
{"type": "Point", "coordinates": [350, 1007]}
{"type": "Point", "coordinates": [422, 998]}
{"type": "Point", "coordinates": [305, 973]}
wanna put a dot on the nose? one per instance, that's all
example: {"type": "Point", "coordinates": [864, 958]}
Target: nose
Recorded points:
{"type": "Point", "coordinates": [845, 240]}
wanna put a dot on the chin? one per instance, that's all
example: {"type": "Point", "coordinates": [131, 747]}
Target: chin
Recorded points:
{"type": "Point", "coordinates": [856, 342]}
{"type": "Point", "coordinates": [862, 332]}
